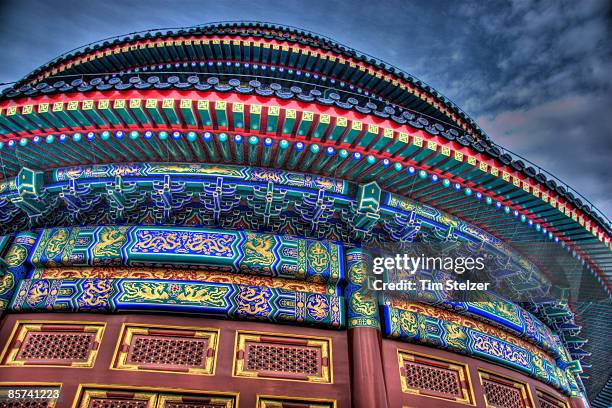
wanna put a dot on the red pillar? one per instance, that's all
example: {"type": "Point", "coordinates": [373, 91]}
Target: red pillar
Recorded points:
{"type": "Point", "coordinates": [577, 402]}
{"type": "Point", "coordinates": [368, 381]}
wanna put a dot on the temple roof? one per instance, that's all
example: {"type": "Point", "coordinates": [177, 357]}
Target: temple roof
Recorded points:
{"type": "Point", "coordinates": [266, 95]}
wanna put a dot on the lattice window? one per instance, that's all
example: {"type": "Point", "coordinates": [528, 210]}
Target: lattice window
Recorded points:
{"type": "Point", "coordinates": [433, 377]}
{"type": "Point", "coordinates": [550, 401]}
{"type": "Point", "coordinates": [196, 401]}
{"type": "Point", "coordinates": [70, 344]}
{"type": "Point", "coordinates": [286, 402]}
{"type": "Point", "coordinates": [125, 398]}
{"type": "Point", "coordinates": [59, 347]}
{"type": "Point", "coordinates": [283, 357]}
{"type": "Point", "coordinates": [116, 403]}
{"type": "Point", "coordinates": [502, 392]}
{"type": "Point", "coordinates": [94, 398]}
{"type": "Point", "coordinates": [182, 349]}
{"type": "Point", "coordinates": [264, 357]}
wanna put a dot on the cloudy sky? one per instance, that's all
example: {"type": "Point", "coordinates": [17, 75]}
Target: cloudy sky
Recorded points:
{"type": "Point", "coordinates": [536, 75]}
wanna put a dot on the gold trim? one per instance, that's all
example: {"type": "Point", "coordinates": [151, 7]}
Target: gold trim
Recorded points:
{"type": "Point", "coordinates": [118, 361]}
{"type": "Point", "coordinates": [523, 387]}
{"type": "Point", "coordinates": [22, 327]}
{"type": "Point", "coordinates": [262, 403]}
{"type": "Point", "coordinates": [158, 392]}
{"type": "Point", "coordinates": [229, 400]}
{"type": "Point", "coordinates": [461, 369]}
{"type": "Point", "coordinates": [558, 398]}
{"type": "Point", "coordinates": [88, 395]}
{"type": "Point", "coordinates": [324, 343]}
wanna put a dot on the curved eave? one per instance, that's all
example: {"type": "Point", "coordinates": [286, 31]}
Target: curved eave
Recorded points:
{"type": "Point", "coordinates": [277, 46]}
{"type": "Point", "coordinates": [488, 194]}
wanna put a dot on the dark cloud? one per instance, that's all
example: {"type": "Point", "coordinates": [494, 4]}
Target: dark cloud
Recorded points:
{"type": "Point", "coordinates": [536, 75]}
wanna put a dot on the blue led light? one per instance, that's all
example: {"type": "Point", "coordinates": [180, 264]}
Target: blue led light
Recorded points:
{"type": "Point", "coordinates": [411, 170]}
{"type": "Point", "coordinates": [457, 186]}
{"type": "Point", "coordinates": [330, 151]}
{"type": "Point", "coordinates": [299, 146]}
{"type": "Point", "coordinates": [356, 156]}
{"type": "Point", "coordinates": [148, 134]}
{"type": "Point", "coordinates": [386, 162]}
{"type": "Point", "coordinates": [11, 143]}
{"type": "Point", "coordinates": [119, 134]}
{"type": "Point", "coordinates": [90, 136]}
{"type": "Point", "coordinates": [268, 142]}
{"type": "Point", "coordinates": [63, 137]}
{"type": "Point", "coordinates": [176, 135]}
{"type": "Point", "coordinates": [207, 136]}
{"type": "Point", "coordinates": [36, 139]}
{"type": "Point", "coordinates": [238, 138]}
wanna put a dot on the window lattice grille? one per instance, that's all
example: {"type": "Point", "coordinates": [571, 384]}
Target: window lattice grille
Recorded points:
{"type": "Point", "coordinates": [116, 403]}
{"type": "Point", "coordinates": [283, 358]}
{"type": "Point", "coordinates": [168, 351]}
{"type": "Point", "coordinates": [56, 346]}
{"type": "Point", "coordinates": [438, 380]}
{"type": "Point", "coordinates": [502, 396]}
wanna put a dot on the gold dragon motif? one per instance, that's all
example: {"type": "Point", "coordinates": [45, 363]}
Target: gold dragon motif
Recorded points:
{"type": "Point", "coordinates": [258, 249]}
{"type": "Point", "coordinates": [111, 240]}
